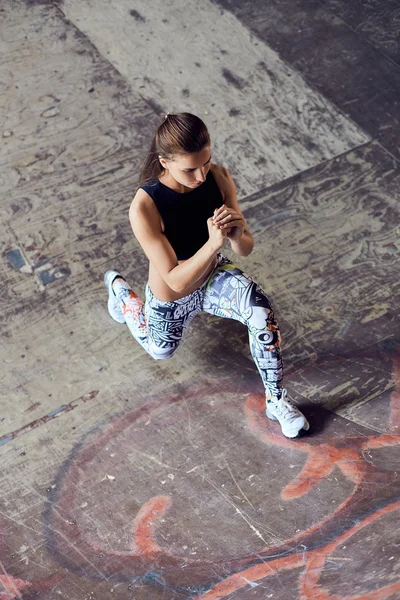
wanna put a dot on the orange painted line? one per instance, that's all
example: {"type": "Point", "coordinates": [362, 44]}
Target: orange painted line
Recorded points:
{"type": "Point", "coordinates": [320, 463]}
{"type": "Point", "coordinates": [248, 576]}
{"type": "Point", "coordinates": [309, 578]}
{"type": "Point", "coordinates": [149, 515]}
{"type": "Point", "coordinates": [323, 457]}
{"type": "Point", "coordinates": [316, 561]}
{"type": "Point", "coordinates": [309, 581]}
{"type": "Point", "coordinates": [316, 468]}
{"type": "Point", "coordinates": [347, 460]}
{"type": "Point", "coordinates": [145, 523]}
{"type": "Point", "coordinates": [382, 441]}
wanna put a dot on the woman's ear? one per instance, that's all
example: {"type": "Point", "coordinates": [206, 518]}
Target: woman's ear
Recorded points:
{"type": "Point", "coordinates": [162, 162]}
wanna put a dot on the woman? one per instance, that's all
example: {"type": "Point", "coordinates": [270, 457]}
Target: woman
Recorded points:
{"type": "Point", "coordinates": [183, 213]}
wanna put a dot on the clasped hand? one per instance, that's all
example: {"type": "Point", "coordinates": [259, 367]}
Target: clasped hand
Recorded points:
{"type": "Point", "coordinates": [229, 221]}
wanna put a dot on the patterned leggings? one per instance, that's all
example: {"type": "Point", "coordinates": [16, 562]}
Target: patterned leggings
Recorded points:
{"type": "Point", "coordinates": [228, 292]}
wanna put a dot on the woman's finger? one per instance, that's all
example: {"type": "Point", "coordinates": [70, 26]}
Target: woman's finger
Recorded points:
{"type": "Point", "coordinates": [223, 219]}
{"type": "Point", "coordinates": [233, 223]}
{"type": "Point", "coordinates": [220, 215]}
{"type": "Point", "coordinates": [218, 211]}
{"type": "Point", "coordinates": [230, 218]}
{"type": "Point", "coordinates": [227, 213]}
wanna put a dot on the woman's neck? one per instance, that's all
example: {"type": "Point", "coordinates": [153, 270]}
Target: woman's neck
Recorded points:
{"type": "Point", "coordinates": [170, 182]}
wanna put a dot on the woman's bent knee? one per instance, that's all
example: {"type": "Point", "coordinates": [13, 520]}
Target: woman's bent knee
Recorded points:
{"type": "Point", "coordinates": [264, 328]}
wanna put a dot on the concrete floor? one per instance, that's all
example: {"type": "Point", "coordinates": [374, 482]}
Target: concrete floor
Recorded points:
{"type": "Point", "coordinates": [122, 477]}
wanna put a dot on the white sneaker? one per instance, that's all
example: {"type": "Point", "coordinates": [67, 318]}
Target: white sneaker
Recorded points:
{"type": "Point", "coordinates": [291, 420]}
{"type": "Point", "coordinates": [114, 305]}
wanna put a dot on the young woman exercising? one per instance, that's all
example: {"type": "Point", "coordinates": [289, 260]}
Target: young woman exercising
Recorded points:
{"type": "Point", "coordinates": [183, 213]}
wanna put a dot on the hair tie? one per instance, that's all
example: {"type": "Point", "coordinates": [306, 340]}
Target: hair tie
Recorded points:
{"type": "Point", "coordinates": [166, 116]}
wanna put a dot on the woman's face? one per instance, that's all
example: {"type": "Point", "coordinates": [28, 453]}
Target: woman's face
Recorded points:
{"type": "Point", "coordinates": [189, 169]}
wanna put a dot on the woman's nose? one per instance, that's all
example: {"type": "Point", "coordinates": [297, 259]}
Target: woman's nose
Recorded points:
{"type": "Point", "coordinates": [200, 175]}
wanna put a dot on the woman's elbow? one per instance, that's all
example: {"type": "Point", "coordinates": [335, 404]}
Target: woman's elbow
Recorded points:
{"type": "Point", "coordinates": [174, 285]}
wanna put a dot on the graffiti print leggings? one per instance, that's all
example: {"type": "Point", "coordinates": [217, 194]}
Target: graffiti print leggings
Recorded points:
{"type": "Point", "coordinates": [228, 292]}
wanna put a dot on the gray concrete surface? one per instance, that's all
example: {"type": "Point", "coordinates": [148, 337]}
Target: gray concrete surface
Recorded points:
{"type": "Point", "coordinates": [122, 477]}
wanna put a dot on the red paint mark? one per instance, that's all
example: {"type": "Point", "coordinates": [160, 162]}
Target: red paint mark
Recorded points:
{"type": "Point", "coordinates": [321, 460]}
{"type": "Point", "coordinates": [315, 562]}
{"type": "Point", "coordinates": [240, 580]}
{"type": "Point", "coordinates": [32, 408]}
{"type": "Point", "coordinates": [4, 439]}
{"type": "Point", "coordinates": [13, 587]}
{"type": "Point", "coordinates": [382, 441]}
{"type": "Point", "coordinates": [320, 464]}
{"type": "Point", "coordinates": [143, 530]}
{"type": "Point", "coordinates": [344, 452]}
{"type": "Point", "coordinates": [144, 525]}
{"type": "Point", "coordinates": [315, 468]}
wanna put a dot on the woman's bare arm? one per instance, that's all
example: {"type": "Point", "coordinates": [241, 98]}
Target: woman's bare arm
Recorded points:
{"type": "Point", "coordinates": [240, 238]}
{"type": "Point", "coordinates": [146, 225]}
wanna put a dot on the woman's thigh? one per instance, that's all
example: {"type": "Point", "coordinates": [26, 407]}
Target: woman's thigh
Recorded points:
{"type": "Point", "coordinates": [166, 321]}
{"type": "Point", "coordinates": [233, 294]}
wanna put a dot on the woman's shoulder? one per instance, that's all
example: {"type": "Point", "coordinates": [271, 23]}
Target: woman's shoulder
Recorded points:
{"type": "Point", "coordinates": [142, 201]}
{"type": "Point", "coordinates": [143, 213]}
{"type": "Point", "coordinates": [222, 177]}
{"type": "Point", "coordinates": [219, 170]}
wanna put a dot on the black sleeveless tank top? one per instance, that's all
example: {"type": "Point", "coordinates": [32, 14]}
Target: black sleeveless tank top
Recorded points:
{"type": "Point", "coordinates": [185, 215]}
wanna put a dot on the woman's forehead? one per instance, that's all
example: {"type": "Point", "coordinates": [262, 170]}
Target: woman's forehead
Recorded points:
{"type": "Point", "coordinates": [194, 159]}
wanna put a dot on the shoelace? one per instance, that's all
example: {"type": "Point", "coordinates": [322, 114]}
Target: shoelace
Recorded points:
{"type": "Point", "coordinates": [121, 292]}
{"type": "Point", "coordinates": [285, 408]}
